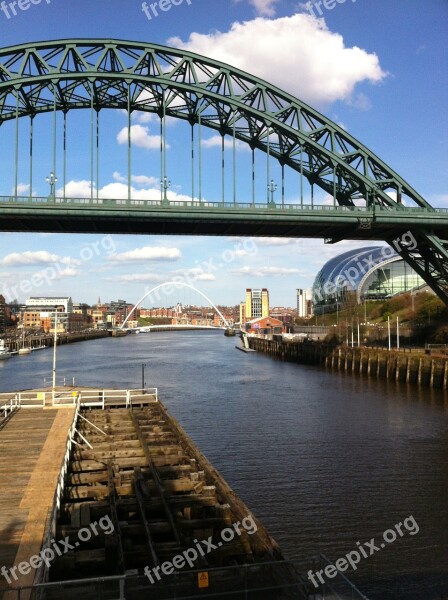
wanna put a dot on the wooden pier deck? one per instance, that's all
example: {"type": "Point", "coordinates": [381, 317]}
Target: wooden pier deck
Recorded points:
{"type": "Point", "coordinates": [32, 446]}
{"type": "Point", "coordinates": [131, 464]}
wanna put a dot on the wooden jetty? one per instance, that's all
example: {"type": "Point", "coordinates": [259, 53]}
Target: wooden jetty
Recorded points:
{"type": "Point", "coordinates": [86, 457]}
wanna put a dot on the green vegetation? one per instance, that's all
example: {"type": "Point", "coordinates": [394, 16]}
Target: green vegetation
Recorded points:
{"type": "Point", "coordinates": [154, 321]}
{"type": "Point", "coordinates": [422, 316]}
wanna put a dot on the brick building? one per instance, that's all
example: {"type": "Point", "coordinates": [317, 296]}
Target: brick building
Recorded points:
{"type": "Point", "coordinates": [265, 326]}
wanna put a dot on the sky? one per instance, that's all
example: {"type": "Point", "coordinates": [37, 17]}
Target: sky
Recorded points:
{"type": "Point", "coordinates": [377, 68]}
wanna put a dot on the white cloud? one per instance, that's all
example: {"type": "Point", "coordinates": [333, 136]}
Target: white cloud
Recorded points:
{"type": "Point", "coordinates": [142, 116]}
{"type": "Point", "coordinates": [204, 277]}
{"type": "Point", "coordinates": [361, 102]}
{"type": "Point", "coordinates": [240, 253]}
{"type": "Point", "coordinates": [264, 8]}
{"type": "Point", "coordinates": [37, 258]}
{"type": "Point", "coordinates": [296, 53]}
{"type": "Point", "coordinates": [118, 177]}
{"type": "Point", "coordinates": [68, 272]}
{"type": "Point", "coordinates": [216, 142]}
{"type": "Point", "coordinates": [140, 137]}
{"type": "Point", "coordinates": [195, 274]}
{"type": "Point", "coordinates": [147, 253]}
{"type": "Point", "coordinates": [77, 189]}
{"type": "Point", "coordinates": [145, 180]}
{"type": "Point", "coordinates": [137, 278]}
{"type": "Point", "coordinates": [274, 241]}
{"type": "Point", "coordinates": [265, 271]}
{"type": "Point", "coordinates": [119, 191]}
{"type": "Point", "coordinates": [22, 188]}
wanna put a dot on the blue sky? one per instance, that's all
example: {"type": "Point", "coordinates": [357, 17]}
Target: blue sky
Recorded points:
{"type": "Point", "coordinates": [374, 66]}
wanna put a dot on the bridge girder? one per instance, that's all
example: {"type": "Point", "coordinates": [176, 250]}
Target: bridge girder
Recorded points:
{"type": "Point", "coordinates": [72, 74]}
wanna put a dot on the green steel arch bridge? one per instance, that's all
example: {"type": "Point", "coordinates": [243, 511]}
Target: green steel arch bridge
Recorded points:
{"type": "Point", "coordinates": [364, 199]}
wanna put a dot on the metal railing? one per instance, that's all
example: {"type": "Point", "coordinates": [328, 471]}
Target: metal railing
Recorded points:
{"type": "Point", "coordinates": [30, 399]}
{"type": "Point", "coordinates": [99, 398]}
{"type": "Point", "coordinates": [243, 582]}
{"type": "Point", "coordinates": [7, 409]}
{"type": "Point", "coordinates": [102, 398]}
{"type": "Point", "coordinates": [174, 204]}
{"type": "Point", "coordinates": [63, 380]}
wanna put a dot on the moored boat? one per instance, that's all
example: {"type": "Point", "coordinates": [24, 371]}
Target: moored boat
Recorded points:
{"type": "Point", "coordinates": [4, 352]}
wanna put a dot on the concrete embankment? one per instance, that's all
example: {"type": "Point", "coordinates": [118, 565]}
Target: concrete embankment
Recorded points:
{"type": "Point", "coordinates": [414, 367]}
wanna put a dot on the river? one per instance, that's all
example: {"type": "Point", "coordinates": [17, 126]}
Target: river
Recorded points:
{"type": "Point", "coordinates": [324, 460]}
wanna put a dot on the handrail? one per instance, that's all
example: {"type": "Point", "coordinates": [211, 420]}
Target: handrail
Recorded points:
{"type": "Point", "coordinates": [8, 409]}
{"type": "Point", "coordinates": [175, 204]}
{"type": "Point", "coordinates": [100, 398]}
{"type": "Point", "coordinates": [71, 397]}
{"type": "Point", "coordinates": [22, 397]}
{"type": "Point", "coordinates": [300, 568]}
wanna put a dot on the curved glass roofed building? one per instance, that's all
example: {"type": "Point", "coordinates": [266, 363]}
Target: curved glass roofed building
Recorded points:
{"type": "Point", "coordinates": [372, 273]}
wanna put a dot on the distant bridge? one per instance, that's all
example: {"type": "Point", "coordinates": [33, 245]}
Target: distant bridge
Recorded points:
{"type": "Point", "coordinates": [366, 199]}
{"type": "Point", "coordinates": [170, 285]}
{"type": "Point", "coordinates": [152, 328]}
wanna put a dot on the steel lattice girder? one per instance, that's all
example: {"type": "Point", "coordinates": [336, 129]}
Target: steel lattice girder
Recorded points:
{"type": "Point", "coordinates": [428, 256]}
{"type": "Point", "coordinates": [76, 73]}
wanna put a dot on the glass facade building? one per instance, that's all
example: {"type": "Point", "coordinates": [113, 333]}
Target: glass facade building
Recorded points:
{"type": "Point", "coordinates": [372, 273]}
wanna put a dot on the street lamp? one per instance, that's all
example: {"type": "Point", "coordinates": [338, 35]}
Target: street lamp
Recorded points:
{"type": "Point", "coordinates": [52, 180]}
{"type": "Point", "coordinates": [165, 184]}
{"type": "Point", "coordinates": [272, 187]}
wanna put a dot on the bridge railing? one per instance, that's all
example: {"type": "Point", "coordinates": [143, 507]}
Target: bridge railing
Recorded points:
{"type": "Point", "coordinates": [179, 205]}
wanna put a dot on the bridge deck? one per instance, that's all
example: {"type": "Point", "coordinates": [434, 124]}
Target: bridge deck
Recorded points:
{"type": "Point", "coordinates": [32, 445]}
{"type": "Point", "coordinates": [84, 215]}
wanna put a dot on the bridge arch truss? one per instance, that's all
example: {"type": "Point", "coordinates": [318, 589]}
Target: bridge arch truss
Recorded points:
{"type": "Point", "coordinates": [65, 75]}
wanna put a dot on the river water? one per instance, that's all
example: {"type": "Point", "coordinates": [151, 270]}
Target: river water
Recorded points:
{"type": "Point", "coordinates": [324, 460]}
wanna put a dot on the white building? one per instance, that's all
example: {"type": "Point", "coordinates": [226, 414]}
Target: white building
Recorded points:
{"type": "Point", "coordinates": [42, 301]}
{"type": "Point", "coordinates": [304, 303]}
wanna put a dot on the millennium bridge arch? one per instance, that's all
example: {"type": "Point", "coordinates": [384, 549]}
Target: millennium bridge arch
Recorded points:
{"type": "Point", "coordinates": [175, 284]}
{"type": "Point", "coordinates": [369, 200]}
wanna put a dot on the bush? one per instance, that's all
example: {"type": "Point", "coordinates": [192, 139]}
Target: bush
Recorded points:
{"type": "Point", "coordinates": [441, 335]}
{"type": "Point", "coordinates": [332, 340]}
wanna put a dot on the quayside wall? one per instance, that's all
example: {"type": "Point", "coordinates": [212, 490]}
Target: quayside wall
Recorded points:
{"type": "Point", "coordinates": [48, 340]}
{"type": "Point", "coordinates": [413, 367]}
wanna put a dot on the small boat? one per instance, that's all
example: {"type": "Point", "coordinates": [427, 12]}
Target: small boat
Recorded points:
{"type": "Point", "coordinates": [4, 352]}
{"type": "Point", "coordinates": [24, 350]}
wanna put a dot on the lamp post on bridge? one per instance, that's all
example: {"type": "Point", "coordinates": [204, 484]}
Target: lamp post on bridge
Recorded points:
{"type": "Point", "coordinates": [52, 180]}
{"type": "Point", "coordinates": [165, 184]}
{"type": "Point", "coordinates": [272, 188]}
